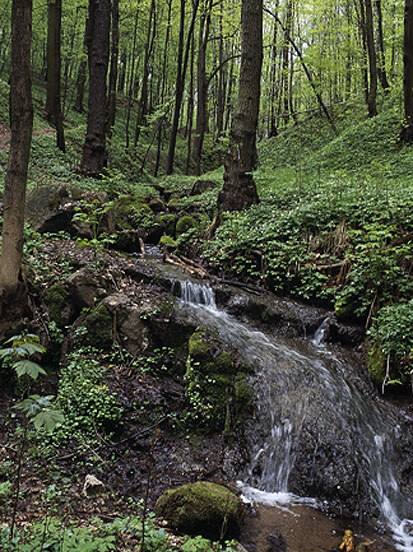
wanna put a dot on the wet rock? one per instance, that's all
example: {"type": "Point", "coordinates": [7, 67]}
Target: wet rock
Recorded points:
{"type": "Point", "coordinates": [276, 543]}
{"type": "Point", "coordinates": [203, 508]}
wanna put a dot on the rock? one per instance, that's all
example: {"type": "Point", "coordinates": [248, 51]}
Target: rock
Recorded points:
{"type": "Point", "coordinates": [61, 310]}
{"type": "Point", "coordinates": [127, 317]}
{"type": "Point", "coordinates": [203, 508]}
{"type": "Point", "coordinates": [85, 287]}
{"type": "Point", "coordinates": [184, 224]}
{"type": "Point", "coordinates": [168, 243]}
{"type": "Point", "coordinates": [201, 186]}
{"type": "Point", "coordinates": [50, 208]}
{"type": "Point", "coordinates": [276, 543]}
{"type": "Point", "coordinates": [157, 205]}
{"type": "Point", "coordinates": [92, 486]}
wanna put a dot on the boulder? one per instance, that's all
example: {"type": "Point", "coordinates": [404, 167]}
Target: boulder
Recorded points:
{"type": "Point", "coordinates": [51, 208]}
{"type": "Point", "coordinates": [202, 508]}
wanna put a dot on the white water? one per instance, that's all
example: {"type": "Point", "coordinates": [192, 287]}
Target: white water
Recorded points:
{"type": "Point", "coordinates": [286, 385]}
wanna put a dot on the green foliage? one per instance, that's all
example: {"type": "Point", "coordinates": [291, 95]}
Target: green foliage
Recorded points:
{"type": "Point", "coordinates": [88, 404]}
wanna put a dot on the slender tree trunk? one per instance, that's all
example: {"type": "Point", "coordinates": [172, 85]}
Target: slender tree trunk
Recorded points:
{"type": "Point", "coordinates": [82, 73]}
{"type": "Point", "coordinates": [53, 111]}
{"type": "Point", "coordinates": [163, 85]}
{"type": "Point", "coordinates": [94, 149]}
{"type": "Point", "coordinates": [372, 97]}
{"type": "Point", "coordinates": [131, 78]}
{"type": "Point", "coordinates": [407, 131]}
{"type": "Point", "coordinates": [190, 107]}
{"type": "Point", "coordinates": [143, 102]}
{"type": "Point", "coordinates": [221, 79]}
{"type": "Point", "coordinates": [273, 82]}
{"type": "Point", "coordinates": [113, 75]}
{"type": "Point", "coordinates": [202, 88]}
{"type": "Point", "coordinates": [381, 59]}
{"type": "Point", "coordinates": [239, 188]}
{"type": "Point", "coordinates": [180, 79]}
{"type": "Point", "coordinates": [12, 289]}
{"type": "Point", "coordinates": [122, 73]}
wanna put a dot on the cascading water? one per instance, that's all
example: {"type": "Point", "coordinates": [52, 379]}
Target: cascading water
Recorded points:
{"type": "Point", "coordinates": [294, 389]}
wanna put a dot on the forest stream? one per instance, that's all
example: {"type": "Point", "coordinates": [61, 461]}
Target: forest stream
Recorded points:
{"type": "Point", "coordinates": [311, 411]}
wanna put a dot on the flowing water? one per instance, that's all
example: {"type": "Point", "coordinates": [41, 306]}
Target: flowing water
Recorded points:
{"type": "Point", "coordinates": [296, 383]}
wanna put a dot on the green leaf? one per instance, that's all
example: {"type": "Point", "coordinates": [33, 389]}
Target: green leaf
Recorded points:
{"type": "Point", "coordinates": [47, 419]}
{"type": "Point", "coordinates": [28, 368]}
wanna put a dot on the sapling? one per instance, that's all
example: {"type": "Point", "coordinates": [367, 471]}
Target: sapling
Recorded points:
{"type": "Point", "coordinates": [37, 409]}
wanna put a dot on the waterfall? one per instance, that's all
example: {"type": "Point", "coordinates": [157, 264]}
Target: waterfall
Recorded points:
{"type": "Point", "coordinates": [298, 384]}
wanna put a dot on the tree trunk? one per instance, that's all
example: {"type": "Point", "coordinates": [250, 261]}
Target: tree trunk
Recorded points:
{"type": "Point", "coordinates": [53, 111]}
{"type": "Point", "coordinates": [372, 94]}
{"type": "Point", "coordinates": [381, 59]}
{"type": "Point", "coordinates": [407, 131]}
{"type": "Point", "coordinates": [202, 88]}
{"type": "Point", "coordinates": [180, 79]}
{"type": "Point", "coordinates": [143, 102]}
{"type": "Point", "coordinates": [239, 188]}
{"type": "Point", "coordinates": [163, 85]}
{"type": "Point", "coordinates": [113, 75]}
{"type": "Point", "coordinates": [94, 149]}
{"type": "Point", "coordinates": [122, 73]}
{"type": "Point", "coordinates": [21, 120]}
{"type": "Point", "coordinates": [82, 74]}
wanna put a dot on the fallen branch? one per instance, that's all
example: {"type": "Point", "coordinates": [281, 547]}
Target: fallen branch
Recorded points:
{"type": "Point", "coordinates": [174, 260]}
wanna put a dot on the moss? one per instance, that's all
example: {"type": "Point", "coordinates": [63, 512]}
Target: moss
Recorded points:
{"type": "Point", "coordinates": [174, 203]}
{"type": "Point", "coordinates": [168, 242]}
{"type": "Point", "coordinates": [184, 224]}
{"type": "Point", "coordinates": [376, 361]}
{"type": "Point", "coordinates": [344, 309]}
{"type": "Point", "coordinates": [224, 362]}
{"type": "Point", "coordinates": [244, 397]}
{"type": "Point", "coordinates": [156, 204]}
{"type": "Point", "coordinates": [198, 347]}
{"type": "Point", "coordinates": [168, 223]}
{"type": "Point", "coordinates": [99, 326]}
{"type": "Point", "coordinates": [202, 508]}
{"type": "Point", "coordinates": [56, 298]}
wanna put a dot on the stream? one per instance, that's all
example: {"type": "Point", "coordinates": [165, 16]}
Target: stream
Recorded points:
{"type": "Point", "coordinates": [318, 427]}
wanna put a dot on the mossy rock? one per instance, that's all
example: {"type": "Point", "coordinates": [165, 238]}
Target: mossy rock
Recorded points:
{"type": "Point", "coordinates": [202, 508]}
{"type": "Point", "coordinates": [174, 203]}
{"type": "Point", "coordinates": [168, 223]}
{"type": "Point", "coordinates": [99, 325]}
{"type": "Point", "coordinates": [157, 205]}
{"type": "Point", "coordinates": [244, 398]}
{"type": "Point", "coordinates": [168, 243]}
{"type": "Point", "coordinates": [344, 309]}
{"type": "Point", "coordinates": [184, 224]}
{"type": "Point", "coordinates": [376, 361]}
{"type": "Point", "coordinates": [198, 346]}
{"type": "Point", "coordinates": [56, 298]}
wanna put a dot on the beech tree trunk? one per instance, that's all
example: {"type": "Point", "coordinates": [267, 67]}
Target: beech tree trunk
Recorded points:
{"type": "Point", "coordinates": [239, 188]}
{"type": "Point", "coordinates": [407, 131]}
{"type": "Point", "coordinates": [372, 95]}
{"type": "Point", "coordinates": [94, 149]}
{"type": "Point", "coordinates": [12, 288]}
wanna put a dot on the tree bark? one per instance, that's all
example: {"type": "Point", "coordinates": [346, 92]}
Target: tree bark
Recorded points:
{"type": "Point", "coordinates": [21, 121]}
{"type": "Point", "coordinates": [202, 88]}
{"type": "Point", "coordinates": [180, 79]}
{"type": "Point", "coordinates": [143, 102]}
{"type": "Point", "coordinates": [381, 59]}
{"type": "Point", "coordinates": [371, 99]}
{"type": "Point", "coordinates": [82, 74]}
{"type": "Point", "coordinates": [407, 131]}
{"type": "Point", "coordinates": [239, 188]}
{"type": "Point", "coordinates": [113, 74]}
{"type": "Point", "coordinates": [53, 111]}
{"type": "Point", "coordinates": [94, 149]}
